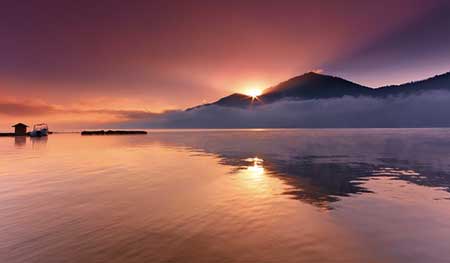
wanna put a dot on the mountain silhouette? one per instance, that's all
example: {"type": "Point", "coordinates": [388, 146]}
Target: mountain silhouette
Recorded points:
{"type": "Point", "coordinates": [318, 86]}
{"type": "Point", "coordinates": [314, 86]}
{"type": "Point", "coordinates": [438, 82]}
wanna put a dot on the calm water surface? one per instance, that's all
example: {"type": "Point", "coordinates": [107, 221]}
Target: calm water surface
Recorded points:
{"type": "Point", "coordinates": [227, 196]}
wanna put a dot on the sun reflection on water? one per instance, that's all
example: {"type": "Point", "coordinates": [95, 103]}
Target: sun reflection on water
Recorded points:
{"type": "Point", "coordinates": [253, 177]}
{"type": "Point", "coordinates": [256, 168]}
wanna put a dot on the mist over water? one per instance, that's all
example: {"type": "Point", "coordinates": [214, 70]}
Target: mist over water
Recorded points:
{"type": "Point", "coordinates": [286, 195]}
{"type": "Point", "coordinates": [427, 109]}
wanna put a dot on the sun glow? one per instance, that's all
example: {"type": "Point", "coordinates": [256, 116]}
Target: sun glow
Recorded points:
{"type": "Point", "coordinates": [253, 92]}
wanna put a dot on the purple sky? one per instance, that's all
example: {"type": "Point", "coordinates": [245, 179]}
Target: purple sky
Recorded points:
{"type": "Point", "coordinates": [157, 55]}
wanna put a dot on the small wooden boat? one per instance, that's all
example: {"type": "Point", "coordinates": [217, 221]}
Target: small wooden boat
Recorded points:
{"type": "Point", "coordinates": [39, 130]}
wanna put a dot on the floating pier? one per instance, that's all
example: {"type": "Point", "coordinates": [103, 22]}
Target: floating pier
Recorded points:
{"type": "Point", "coordinates": [7, 134]}
{"type": "Point", "coordinates": [12, 134]}
{"type": "Point", "coordinates": [112, 132]}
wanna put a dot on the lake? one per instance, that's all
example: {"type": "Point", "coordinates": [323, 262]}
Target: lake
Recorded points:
{"type": "Point", "coordinates": [293, 195]}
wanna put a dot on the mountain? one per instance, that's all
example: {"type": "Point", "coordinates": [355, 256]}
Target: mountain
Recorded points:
{"type": "Point", "coordinates": [318, 86]}
{"type": "Point", "coordinates": [314, 100]}
{"type": "Point", "coordinates": [314, 86]}
{"type": "Point", "coordinates": [438, 82]}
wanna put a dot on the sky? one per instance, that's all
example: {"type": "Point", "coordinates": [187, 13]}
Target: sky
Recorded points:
{"type": "Point", "coordinates": [84, 63]}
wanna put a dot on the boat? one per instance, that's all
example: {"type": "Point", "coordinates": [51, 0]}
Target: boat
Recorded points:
{"type": "Point", "coordinates": [39, 130]}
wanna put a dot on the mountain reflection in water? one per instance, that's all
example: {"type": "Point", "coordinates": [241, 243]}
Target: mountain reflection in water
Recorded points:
{"type": "Point", "coordinates": [323, 165]}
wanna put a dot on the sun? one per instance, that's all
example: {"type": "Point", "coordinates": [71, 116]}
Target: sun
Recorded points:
{"type": "Point", "coordinates": [253, 92]}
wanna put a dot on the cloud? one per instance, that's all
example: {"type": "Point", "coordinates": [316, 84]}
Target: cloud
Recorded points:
{"type": "Point", "coordinates": [31, 109]}
{"type": "Point", "coordinates": [28, 109]}
{"type": "Point", "coordinates": [425, 110]}
{"type": "Point", "coordinates": [318, 71]}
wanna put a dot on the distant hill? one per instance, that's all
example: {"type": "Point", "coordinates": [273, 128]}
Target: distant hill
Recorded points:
{"type": "Point", "coordinates": [438, 82]}
{"type": "Point", "coordinates": [318, 86]}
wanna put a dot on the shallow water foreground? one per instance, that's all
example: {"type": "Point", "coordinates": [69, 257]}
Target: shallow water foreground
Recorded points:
{"type": "Point", "coordinates": [363, 195]}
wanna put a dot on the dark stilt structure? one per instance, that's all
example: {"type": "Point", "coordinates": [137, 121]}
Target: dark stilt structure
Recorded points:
{"type": "Point", "coordinates": [20, 129]}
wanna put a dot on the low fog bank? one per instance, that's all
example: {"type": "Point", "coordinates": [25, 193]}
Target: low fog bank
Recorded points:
{"type": "Point", "coordinates": [430, 109]}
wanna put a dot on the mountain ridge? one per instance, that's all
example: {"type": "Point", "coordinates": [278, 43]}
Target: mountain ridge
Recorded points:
{"type": "Point", "coordinates": [313, 85]}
